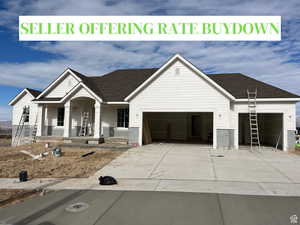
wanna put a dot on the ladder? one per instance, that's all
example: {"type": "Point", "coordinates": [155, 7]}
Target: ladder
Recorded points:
{"type": "Point", "coordinates": [18, 134]}
{"type": "Point", "coordinates": [34, 130]}
{"type": "Point", "coordinates": [84, 124]}
{"type": "Point", "coordinates": [254, 133]}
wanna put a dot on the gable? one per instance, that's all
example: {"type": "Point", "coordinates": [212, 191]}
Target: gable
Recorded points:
{"type": "Point", "coordinates": [63, 87]}
{"type": "Point", "coordinates": [187, 64]}
{"type": "Point", "coordinates": [179, 87]}
{"type": "Point", "coordinates": [24, 99]}
{"type": "Point", "coordinates": [24, 95]}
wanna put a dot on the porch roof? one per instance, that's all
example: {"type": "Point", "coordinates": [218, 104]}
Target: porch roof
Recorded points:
{"type": "Point", "coordinates": [47, 99]}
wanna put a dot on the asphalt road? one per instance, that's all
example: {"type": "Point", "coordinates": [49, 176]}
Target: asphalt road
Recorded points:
{"type": "Point", "coordinates": [152, 208]}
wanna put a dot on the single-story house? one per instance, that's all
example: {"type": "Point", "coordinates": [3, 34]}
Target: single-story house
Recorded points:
{"type": "Point", "coordinates": [177, 102]}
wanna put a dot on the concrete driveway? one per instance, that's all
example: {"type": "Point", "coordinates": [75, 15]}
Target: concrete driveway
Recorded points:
{"type": "Point", "coordinates": [191, 167]}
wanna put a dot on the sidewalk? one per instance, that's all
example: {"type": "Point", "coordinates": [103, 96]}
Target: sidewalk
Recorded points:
{"type": "Point", "coordinates": [197, 186]}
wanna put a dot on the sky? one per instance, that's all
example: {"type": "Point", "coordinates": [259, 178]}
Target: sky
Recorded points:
{"type": "Point", "coordinates": [36, 64]}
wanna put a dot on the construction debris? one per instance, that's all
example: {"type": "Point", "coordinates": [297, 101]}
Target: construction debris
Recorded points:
{"type": "Point", "coordinates": [38, 157]}
{"type": "Point", "coordinates": [87, 154]}
{"type": "Point", "coordinates": [147, 139]}
{"type": "Point", "coordinates": [23, 176]}
{"type": "Point", "coordinates": [56, 152]}
{"type": "Point", "coordinates": [107, 180]}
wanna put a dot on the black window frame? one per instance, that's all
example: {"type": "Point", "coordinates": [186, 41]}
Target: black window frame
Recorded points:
{"type": "Point", "coordinates": [27, 111]}
{"type": "Point", "coordinates": [60, 116]}
{"type": "Point", "coordinates": [123, 117]}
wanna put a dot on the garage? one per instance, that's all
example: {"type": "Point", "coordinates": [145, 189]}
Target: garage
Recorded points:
{"type": "Point", "coordinates": [270, 129]}
{"type": "Point", "coordinates": [193, 127]}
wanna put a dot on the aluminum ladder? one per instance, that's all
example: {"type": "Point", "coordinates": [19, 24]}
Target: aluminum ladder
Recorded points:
{"type": "Point", "coordinates": [18, 134]}
{"type": "Point", "coordinates": [84, 124]}
{"type": "Point", "coordinates": [254, 132]}
{"type": "Point", "coordinates": [34, 130]}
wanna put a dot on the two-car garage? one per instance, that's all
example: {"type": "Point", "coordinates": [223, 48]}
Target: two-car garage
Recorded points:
{"type": "Point", "coordinates": [197, 127]}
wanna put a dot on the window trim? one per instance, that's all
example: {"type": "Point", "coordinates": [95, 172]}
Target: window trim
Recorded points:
{"type": "Point", "coordinates": [27, 118]}
{"type": "Point", "coordinates": [124, 118]}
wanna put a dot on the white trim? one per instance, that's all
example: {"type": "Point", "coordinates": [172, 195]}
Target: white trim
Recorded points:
{"type": "Point", "coordinates": [92, 93]}
{"type": "Point", "coordinates": [117, 103]}
{"type": "Point", "coordinates": [57, 80]}
{"type": "Point", "coordinates": [12, 102]}
{"type": "Point", "coordinates": [270, 100]}
{"type": "Point", "coordinates": [76, 88]}
{"type": "Point", "coordinates": [191, 66]}
{"type": "Point", "coordinates": [71, 92]}
{"type": "Point", "coordinates": [47, 102]}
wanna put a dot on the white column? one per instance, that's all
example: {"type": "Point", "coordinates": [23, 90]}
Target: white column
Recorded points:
{"type": "Point", "coordinates": [41, 118]}
{"type": "Point", "coordinates": [97, 125]}
{"type": "Point", "coordinates": [67, 120]}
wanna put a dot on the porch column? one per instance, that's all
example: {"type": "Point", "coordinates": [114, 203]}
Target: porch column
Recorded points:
{"type": "Point", "coordinates": [40, 120]}
{"type": "Point", "coordinates": [97, 125]}
{"type": "Point", "coordinates": [67, 119]}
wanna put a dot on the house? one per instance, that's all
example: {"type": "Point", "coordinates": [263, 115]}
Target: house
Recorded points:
{"type": "Point", "coordinates": [177, 102]}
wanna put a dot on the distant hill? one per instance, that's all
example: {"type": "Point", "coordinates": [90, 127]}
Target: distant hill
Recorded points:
{"type": "Point", "coordinates": [5, 124]}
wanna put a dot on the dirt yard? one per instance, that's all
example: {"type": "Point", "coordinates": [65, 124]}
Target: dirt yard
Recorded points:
{"type": "Point", "coordinates": [70, 164]}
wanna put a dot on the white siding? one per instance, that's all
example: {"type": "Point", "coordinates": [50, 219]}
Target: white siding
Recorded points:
{"type": "Point", "coordinates": [25, 100]}
{"type": "Point", "coordinates": [186, 92]}
{"type": "Point", "coordinates": [109, 116]}
{"type": "Point", "coordinates": [63, 87]}
{"type": "Point", "coordinates": [51, 114]}
{"type": "Point", "coordinates": [287, 108]}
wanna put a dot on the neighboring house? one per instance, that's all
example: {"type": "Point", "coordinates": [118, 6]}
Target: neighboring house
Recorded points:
{"type": "Point", "coordinates": [177, 102]}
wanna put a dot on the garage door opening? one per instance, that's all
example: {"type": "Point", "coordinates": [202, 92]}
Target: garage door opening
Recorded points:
{"type": "Point", "coordinates": [270, 129]}
{"type": "Point", "coordinates": [178, 127]}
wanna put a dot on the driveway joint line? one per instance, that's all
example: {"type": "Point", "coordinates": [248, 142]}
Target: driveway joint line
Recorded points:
{"type": "Point", "coordinates": [275, 168]}
{"type": "Point", "coordinates": [213, 166]}
{"type": "Point", "coordinates": [157, 165]}
{"type": "Point", "coordinates": [220, 208]}
{"type": "Point", "coordinates": [109, 208]}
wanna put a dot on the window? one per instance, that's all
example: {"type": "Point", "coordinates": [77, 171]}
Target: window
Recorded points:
{"type": "Point", "coordinates": [123, 117]}
{"type": "Point", "coordinates": [26, 112]}
{"type": "Point", "coordinates": [60, 116]}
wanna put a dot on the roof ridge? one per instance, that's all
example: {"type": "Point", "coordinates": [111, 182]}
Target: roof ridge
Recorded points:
{"type": "Point", "coordinates": [98, 76]}
{"type": "Point", "coordinates": [225, 73]}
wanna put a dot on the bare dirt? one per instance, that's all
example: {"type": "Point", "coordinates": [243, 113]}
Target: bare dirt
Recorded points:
{"type": "Point", "coordinates": [70, 164]}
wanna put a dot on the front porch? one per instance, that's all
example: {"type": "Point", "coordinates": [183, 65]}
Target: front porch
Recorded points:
{"type": "Point", "coordinates": [83, 120]}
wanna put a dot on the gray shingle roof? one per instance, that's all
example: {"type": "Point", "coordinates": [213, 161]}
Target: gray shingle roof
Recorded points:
{"type": "Point", "coordinates": [117, 85]}
{"type": "Point", "coordinates": [35, 93]}
{"type": "Point", "coordinates": [237, 84]}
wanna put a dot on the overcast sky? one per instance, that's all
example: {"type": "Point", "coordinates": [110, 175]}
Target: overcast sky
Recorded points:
{"type": "Point", "coordinates": [35, 64]}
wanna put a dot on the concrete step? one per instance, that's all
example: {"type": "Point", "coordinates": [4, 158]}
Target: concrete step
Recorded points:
{"type": "Point", "coordinates": [116, 140]}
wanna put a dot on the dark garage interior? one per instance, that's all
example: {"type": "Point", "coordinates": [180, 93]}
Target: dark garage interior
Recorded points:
{"type": "Point", "coordinates": [196, 127]}
{"type": "Point", "coordinates": [270, 129]}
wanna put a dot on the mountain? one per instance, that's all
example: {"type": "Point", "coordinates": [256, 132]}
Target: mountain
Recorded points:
{"type": "Point", "coordinates": [5, 124]}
